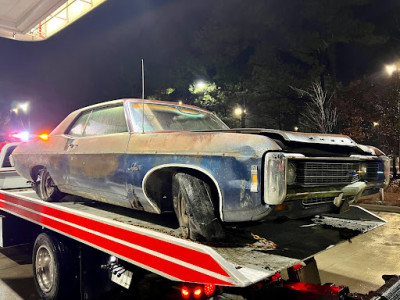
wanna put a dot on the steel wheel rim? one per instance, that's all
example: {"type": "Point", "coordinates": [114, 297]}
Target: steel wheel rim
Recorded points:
{"type": "Point", "coordinates": [45, 268]}
{"type": "Point", "coordinates": [48, 185]}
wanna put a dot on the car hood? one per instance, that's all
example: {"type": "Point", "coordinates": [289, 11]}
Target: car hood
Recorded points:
{"type": "Point", "coordinates": [311, 143]}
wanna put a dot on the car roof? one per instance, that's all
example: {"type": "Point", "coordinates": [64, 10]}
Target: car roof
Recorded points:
{"type": "Point", "coordinates": [114, 102]}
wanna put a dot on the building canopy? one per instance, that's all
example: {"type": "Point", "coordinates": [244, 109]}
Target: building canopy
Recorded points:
{"type": "Point", "coordinates": [36, 20]}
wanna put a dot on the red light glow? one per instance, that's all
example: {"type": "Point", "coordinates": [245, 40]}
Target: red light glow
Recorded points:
{"type": "Point", "coordinates": [209, 289]}
{"type": "Point", "coordinates": [185, 292]}
{"type": "Point", "coordinates": [198, 291]}
{"type": "Point", "coordinates": [315, 288]}
{"type": "Point", "coordinates": [297, 267]}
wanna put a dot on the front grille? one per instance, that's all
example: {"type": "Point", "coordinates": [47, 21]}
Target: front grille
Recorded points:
{"type": "Point", "coordinates": [326, 173]}
{"type": "Point", "coordinates": [374, 171]}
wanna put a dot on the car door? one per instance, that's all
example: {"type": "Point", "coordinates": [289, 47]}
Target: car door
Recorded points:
{"type": "Point", "coordinates": [96, 148]}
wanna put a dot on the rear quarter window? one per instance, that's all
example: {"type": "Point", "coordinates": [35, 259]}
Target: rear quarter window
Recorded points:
{"type": "Point", "coordinates": [6, 162]}
{"type": "Point", "coordinates": [106, 121]}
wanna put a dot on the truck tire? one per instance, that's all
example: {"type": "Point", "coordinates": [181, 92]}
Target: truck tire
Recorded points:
{"type": "Point", "coordinates": [54, 271]}
{"type": "Point", "coordinates": [194, 208]}
{"type": "Point", "coordinates": [45, 187]}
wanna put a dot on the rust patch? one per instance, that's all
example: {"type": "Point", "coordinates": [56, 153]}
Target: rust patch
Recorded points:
{"type": "Point", "coordinates": [202, 143]}
{"type": "Point", "coordinates": [94, 165]}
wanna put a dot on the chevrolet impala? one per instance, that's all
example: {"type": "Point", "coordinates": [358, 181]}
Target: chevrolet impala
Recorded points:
{"type": "Point", "coordinates": [161, 156]}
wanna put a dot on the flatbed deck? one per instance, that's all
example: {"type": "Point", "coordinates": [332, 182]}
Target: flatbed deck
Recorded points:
{"type": "Point", "coordinates": [251, 252]}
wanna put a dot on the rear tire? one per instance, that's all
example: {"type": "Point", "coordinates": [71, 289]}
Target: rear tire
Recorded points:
{"type": "Point", "coordinates": [194, 208]}
{"type": "Point", "coordinates": [45, 187]}
{"type": "Point", "coordinates": [54, 270]}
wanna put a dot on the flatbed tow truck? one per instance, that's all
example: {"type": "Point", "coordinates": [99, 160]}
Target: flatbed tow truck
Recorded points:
{"type": "Point", "coordinates": [269, 260]}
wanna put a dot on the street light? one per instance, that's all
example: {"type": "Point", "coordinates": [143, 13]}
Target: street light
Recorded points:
{"type": "Point", "coordinates": [390, 69]}
{"type": "Point", "coordinates": [238, 111]}
{"type": "Point", "coordinates": [200, 85]}
{"type": "Point", "coordinates": [241, 114]}
{"type": "Point", "coordinates": [22, 107]}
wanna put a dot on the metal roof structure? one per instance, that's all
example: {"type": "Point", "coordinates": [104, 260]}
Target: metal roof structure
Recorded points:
{"type": "Point", "coordinates": [35, 20]}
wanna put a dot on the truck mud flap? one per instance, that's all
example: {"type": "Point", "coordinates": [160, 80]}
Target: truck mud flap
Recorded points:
{"type": "Point", "coordinates": [355, 219]}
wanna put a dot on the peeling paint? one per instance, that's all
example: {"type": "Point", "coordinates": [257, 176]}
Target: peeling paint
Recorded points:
{"type": "Point", "coordinates": [111, 168]}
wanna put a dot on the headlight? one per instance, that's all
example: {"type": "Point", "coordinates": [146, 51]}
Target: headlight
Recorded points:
{"type": "Point", "coordinates": [291, 173]}
{"type": "Point", "coordinates": [362, 170]}
{"type": "Point", "coordinates": [275, 175]}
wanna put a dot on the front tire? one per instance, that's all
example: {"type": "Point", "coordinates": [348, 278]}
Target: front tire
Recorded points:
{"type": "Point", "coordinates": [54, 269]}
{"type": "Point", "coordinates": [45, 187]}
{"type": "Point", "coordinates": [194, 208]}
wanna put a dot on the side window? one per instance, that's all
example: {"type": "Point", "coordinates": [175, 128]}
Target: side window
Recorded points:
{"type": "Point", "coordinates": [6, 162]}
{"type": "Point", "coordinates": [79, 125]}
{"type": "Point", "coordinates": [106, 121]}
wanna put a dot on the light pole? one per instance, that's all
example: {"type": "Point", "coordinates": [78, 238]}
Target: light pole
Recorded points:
{"type": "Point", "coordinates": [241, 114]}
{"type": "Point", "coordinates": [390, 70]}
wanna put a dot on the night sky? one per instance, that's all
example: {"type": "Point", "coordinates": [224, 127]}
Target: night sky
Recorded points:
{"type": "Point", "coordinates": [98, 57]}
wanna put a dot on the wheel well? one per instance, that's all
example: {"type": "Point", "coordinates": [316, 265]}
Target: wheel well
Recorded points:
{"type": "Point", "coordinates": [35, 171]}
{"type": "Point", "coordinates": [158, 186]}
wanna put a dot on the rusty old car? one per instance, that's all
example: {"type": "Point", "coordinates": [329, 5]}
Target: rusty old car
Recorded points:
{"type": "Point", "coordinates": [161, 156]}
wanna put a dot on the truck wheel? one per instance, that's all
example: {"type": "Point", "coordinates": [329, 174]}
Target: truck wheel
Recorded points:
{"type": "Point", "coordinates": [194, 208]}
{"type": "Point", "coordinates": [45, 187]}
{"type": "Point", "coordinates": [53, 269]}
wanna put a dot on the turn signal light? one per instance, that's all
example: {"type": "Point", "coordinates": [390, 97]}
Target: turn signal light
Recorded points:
{"type": "Point", "coordinates": [44, 136]}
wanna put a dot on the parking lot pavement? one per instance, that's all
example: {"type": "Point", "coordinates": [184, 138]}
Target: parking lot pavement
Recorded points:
{"type": "Point", "coordinates": [16, 275]}
{"type": "Point", "coordinates": [358, 264]}
{"type": "Point", "coordinates": [361, 262]}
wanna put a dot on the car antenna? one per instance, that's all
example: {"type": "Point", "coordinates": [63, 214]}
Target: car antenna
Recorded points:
{"type": "Point", "coordinates": [142, 95]}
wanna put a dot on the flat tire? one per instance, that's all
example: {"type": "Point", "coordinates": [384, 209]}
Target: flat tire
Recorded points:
{"type": "Point", "coordinates": [194, 208]}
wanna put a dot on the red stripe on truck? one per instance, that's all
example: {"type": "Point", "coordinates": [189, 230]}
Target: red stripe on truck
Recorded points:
{"type": "Point", "coordinates": [178, 252]}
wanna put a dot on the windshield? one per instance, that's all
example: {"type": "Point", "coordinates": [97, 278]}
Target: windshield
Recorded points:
{"type": "Point", "coordinates": [159, 117]}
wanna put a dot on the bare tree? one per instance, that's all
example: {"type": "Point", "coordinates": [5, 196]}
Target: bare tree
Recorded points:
{"type": "Point", "coordinates": [319, 114]}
